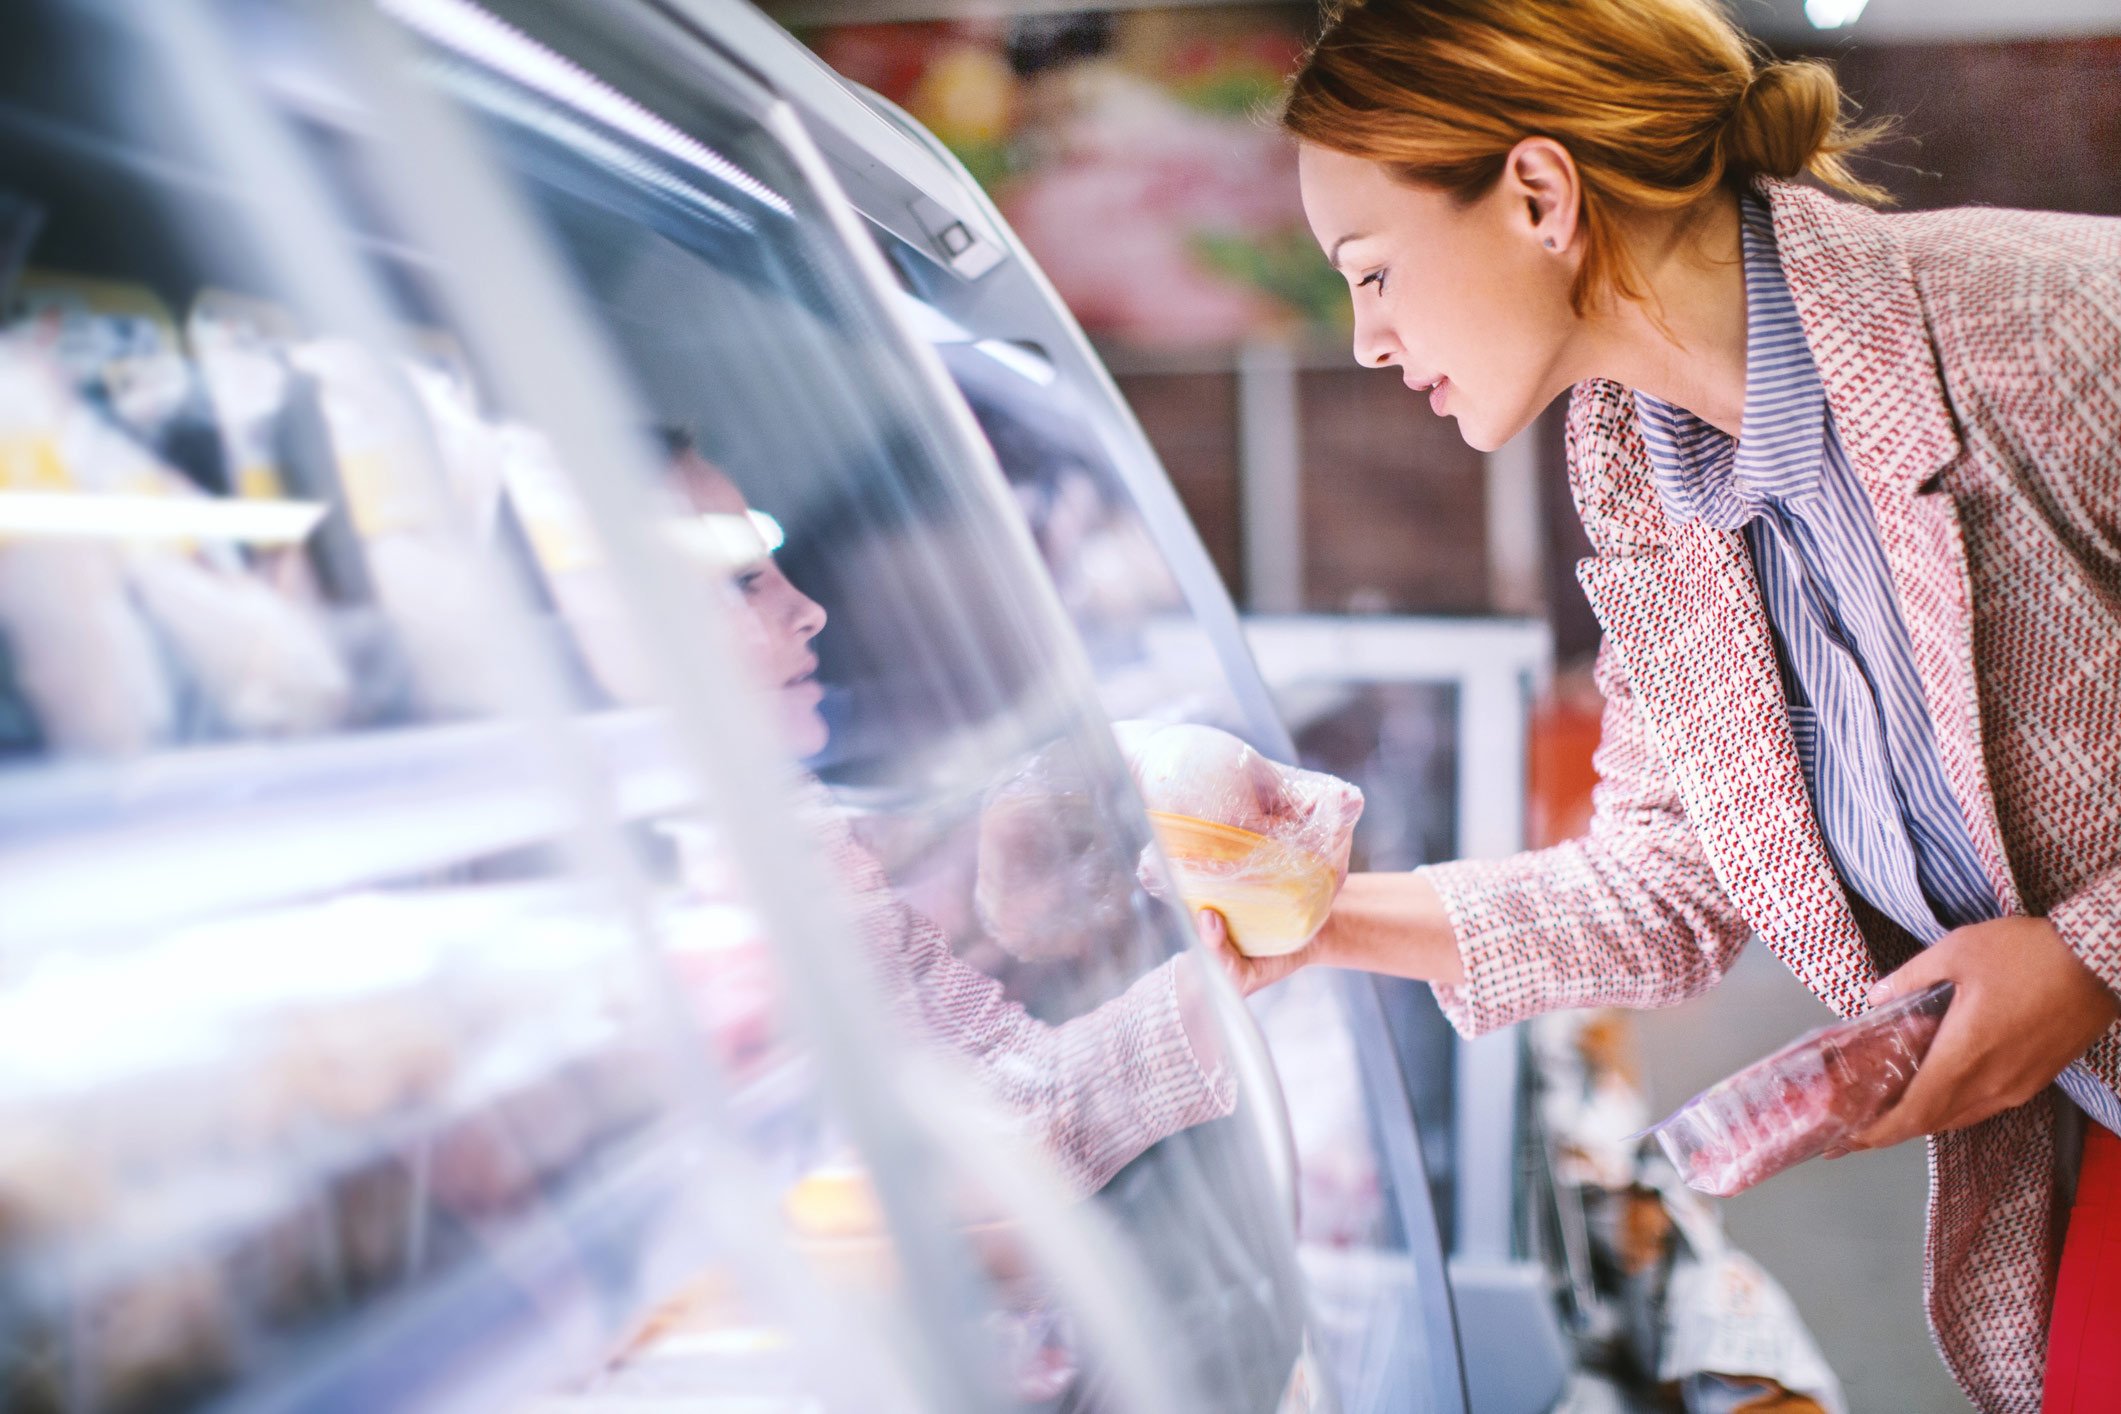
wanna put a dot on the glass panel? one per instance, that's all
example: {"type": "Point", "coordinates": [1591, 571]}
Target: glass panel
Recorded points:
{"type": "Point", "coordinates": [956, 771]}
{"type": "Point", "coordinates": [1399, 742]}
{"type": "Point", "coordinates": [1166, 651]}
{"type": "Point", "coordinates": [352, 988]}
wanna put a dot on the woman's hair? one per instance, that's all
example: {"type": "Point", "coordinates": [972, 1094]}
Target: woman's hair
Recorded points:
{"type": "Point", "coordinates": [1659, 102]}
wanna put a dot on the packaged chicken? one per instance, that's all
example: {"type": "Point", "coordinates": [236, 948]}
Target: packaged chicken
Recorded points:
{"type": "Point", "coordinates": [1265, 845]}
{"type": "Point", "coordinates": [1803, 1100]}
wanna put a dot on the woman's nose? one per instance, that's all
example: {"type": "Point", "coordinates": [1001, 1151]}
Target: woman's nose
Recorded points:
{"type": "Point", "coordinates": [809, 617]}
{"type": "Point", "coordinates": [1375, 345]}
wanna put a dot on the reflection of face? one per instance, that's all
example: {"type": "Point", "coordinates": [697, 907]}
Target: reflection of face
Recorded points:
{"type": "Point", "coordinates": [776, 621]}
{"type": "Point", "coordinates": [1445, 291]}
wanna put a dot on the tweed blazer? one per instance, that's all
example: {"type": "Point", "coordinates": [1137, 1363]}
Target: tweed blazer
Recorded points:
{"type": "Point", "coordinates": [1972, 363]}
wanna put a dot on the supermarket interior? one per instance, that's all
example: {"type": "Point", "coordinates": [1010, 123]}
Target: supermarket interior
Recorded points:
{"type": "Point", "coordinates": [624, 630]}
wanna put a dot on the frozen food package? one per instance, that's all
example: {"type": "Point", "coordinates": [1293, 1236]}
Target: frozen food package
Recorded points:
{"type": "Point", "coordinates": [1803, 1100]}
{"type": "Point", "coordinates": [1263, 844]}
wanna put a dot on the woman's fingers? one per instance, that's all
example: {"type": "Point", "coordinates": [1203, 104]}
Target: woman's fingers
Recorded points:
{"type": "Point", "coordinates": [1248, 973]}
{"type": "Point", "coordinates": [1214, 933]}
{"type": "Point", "coordinates": [2023, 1007]}
{"type": "Point", "coordinates": [1931, 1099]}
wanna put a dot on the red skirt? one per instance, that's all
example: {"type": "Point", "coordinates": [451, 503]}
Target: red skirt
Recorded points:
{"type": "Point", "coordinates": [2084, 1342]}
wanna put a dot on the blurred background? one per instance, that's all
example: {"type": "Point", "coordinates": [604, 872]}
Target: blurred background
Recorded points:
{"type": "Point", "coordinates": [1132, 149]}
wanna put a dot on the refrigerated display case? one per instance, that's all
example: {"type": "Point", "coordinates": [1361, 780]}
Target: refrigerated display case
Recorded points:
{"type": "Point", "coordinates": [466, 914]}
{"type": "Point", "coordinates": [1165, 644]}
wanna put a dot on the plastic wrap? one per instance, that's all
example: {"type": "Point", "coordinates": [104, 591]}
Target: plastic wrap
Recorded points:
{"type": "Point", "coordinates": [1803, 1100]}
{"type": "Point", "coordinates": [1263, 844]}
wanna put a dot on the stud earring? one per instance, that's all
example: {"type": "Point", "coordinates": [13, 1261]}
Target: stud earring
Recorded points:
{"type": "Point", "coordinates": [1550, 242]}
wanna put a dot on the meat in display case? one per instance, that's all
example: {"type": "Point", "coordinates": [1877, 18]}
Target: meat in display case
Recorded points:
{"type": "Point", "coordinates": [521, 684]}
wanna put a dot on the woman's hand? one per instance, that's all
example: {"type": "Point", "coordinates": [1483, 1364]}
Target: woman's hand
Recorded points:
{"type": "Point", "coordinates": [2023, 1007]}
{"type": "Point", "coordinates": [1389, 923]}
{"type": "Point", "coordinates": [1249, 973]}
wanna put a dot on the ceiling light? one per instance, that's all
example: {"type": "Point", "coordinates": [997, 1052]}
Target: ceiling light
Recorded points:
{"type": "Point", "coordinates": [1833, 14]}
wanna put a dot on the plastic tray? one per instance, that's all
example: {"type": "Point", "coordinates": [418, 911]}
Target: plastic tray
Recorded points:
{"type": "Point", "coordinates": [1803, 1100]}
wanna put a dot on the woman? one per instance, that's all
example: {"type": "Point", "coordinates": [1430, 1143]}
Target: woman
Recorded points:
{"type": "Point", "coordinates": [1094, 1092]}
{"type": "Point", "coordinates": [1854, 485]}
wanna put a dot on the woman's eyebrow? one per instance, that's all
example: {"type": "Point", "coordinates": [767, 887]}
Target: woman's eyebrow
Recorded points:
{"type": "Point", "coordinates": [1333, 256]}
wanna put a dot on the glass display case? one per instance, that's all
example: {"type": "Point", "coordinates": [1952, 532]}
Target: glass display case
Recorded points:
{"type": "Point", "coordinates": [1165, 645]}
{"type": "Point", "coordinates": [537, 756]}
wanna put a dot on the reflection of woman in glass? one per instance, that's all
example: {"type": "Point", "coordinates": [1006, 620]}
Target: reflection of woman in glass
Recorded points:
{"type": "Point", "coordinates": [1095, 1091]}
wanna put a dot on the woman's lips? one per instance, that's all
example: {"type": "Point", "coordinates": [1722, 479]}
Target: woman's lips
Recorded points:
{"type": "Point", "coordinates": [1434, 386]}
{"type": "Point", "coordinates": [805, 685]}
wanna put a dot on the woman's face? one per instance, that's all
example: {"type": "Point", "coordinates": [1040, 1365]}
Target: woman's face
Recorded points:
{"type": "Point", "coordinates": [1466, 301]}
{"type": "Point", "coordinates": [775, 621]}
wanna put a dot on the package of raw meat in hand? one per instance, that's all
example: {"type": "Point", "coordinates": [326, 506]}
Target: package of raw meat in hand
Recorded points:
{"type": "Point", "coordinates": [1263, 844]}
{"type": "Point", "coordinates": [1805, 1099]}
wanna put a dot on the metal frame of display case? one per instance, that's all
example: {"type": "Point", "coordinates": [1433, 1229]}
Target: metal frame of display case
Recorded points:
{"type": "Point", "coordinates": [897, 175]}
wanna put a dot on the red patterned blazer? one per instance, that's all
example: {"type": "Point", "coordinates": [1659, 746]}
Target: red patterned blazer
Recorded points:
{"type": "Point", "coordinates": [1972, 361]}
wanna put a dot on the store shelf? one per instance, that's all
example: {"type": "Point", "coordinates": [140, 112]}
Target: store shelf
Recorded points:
{"type": "Point", "coordinates": [542, 1305]}
{"type": "Point", "coordinates": [220, 828]}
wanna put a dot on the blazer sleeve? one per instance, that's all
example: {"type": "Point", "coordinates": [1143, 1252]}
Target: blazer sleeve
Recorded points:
{"type": "Point", "coordinates": [1629, 915]}
{"type": "Point", "coordinates": [1093, 1092]}
{"type": "Point", "coordinates": [2079, 348]}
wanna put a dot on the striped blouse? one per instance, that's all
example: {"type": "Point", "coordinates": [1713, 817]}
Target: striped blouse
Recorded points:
{"type": "Point", "coordinates": [1893, 827]}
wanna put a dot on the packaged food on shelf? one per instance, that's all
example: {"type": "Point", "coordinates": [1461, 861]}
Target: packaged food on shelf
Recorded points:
{"type": "Point", "coordinates": [120, 350]}
{"type": "Point", "coordinates": [131, 618]}
{"type": "Point", "coordinates": [224, 1146]}
{"type": "Point", "coordinates": [1263, 844]}
{"type": "Point", "coordinates": [239, 344]}
{"type": "Point", "coordinates": [1805, 1099]}
{"type": "Point", "coordinates": [406, 501]}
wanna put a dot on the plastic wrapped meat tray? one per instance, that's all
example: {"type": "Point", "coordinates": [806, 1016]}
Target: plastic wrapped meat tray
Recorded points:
{"type": "Point", "coordinates": [1803, 1100]}
{"type": "Point", "coordinates": [1263, 844]}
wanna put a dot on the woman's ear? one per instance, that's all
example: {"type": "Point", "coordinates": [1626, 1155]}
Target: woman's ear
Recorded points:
{"type": "Point", "coordinates": [1545, 192]}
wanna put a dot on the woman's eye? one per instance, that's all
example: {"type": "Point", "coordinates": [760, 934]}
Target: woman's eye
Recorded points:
{"type": "Point", "coordinates": [1375, 277]}
{"type": "Point", "coordinates": [748, 582]}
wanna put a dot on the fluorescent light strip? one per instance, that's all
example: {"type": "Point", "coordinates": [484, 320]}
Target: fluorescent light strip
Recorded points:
{"type": "Point", "coordinates": [472, 32]}
{"type": "Point", "coordinates": [511, 105]}
{"type": "Point", "coordinates": [67, 516]}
